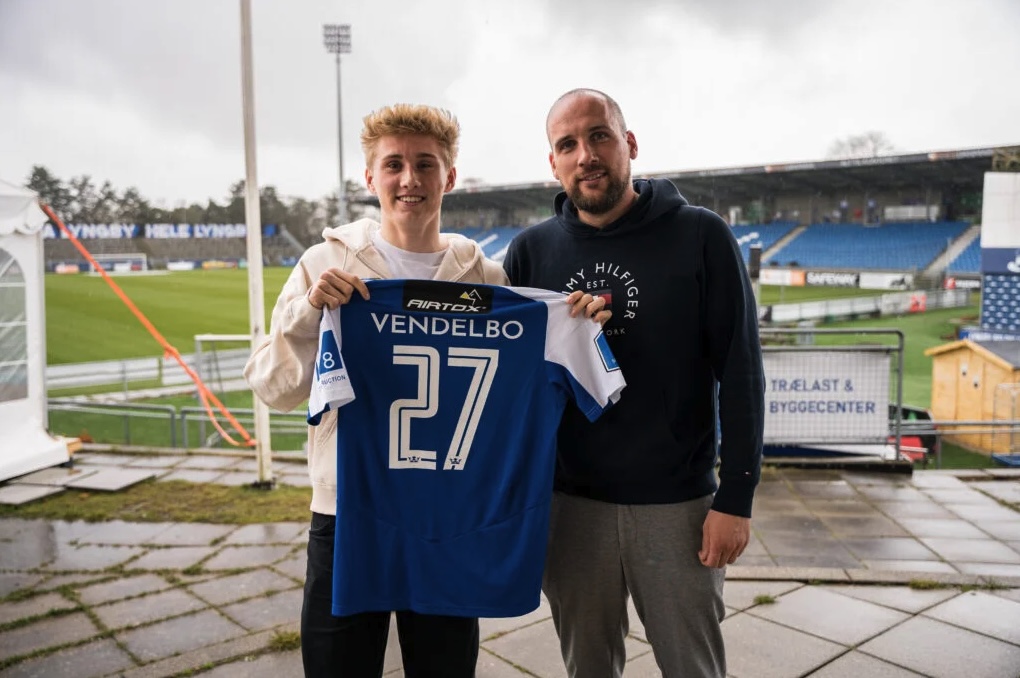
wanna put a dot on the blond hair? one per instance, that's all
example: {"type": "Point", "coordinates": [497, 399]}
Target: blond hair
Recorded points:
{"type": "Point", "coordinates": [397, 119]}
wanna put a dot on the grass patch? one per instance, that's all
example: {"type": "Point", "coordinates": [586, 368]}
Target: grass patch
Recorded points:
{"type": "Point", "coordinates": [172, 501]}
{"type": "Point", "coordinates": [284, 641]}
{"type": "Point", "coordinates": [764, 599]}
{"type": "Point", "coordinates": [926, 585]}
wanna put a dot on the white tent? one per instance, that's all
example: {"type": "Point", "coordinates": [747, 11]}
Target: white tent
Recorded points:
{"type": "Point", "coordinates": [25, 444]}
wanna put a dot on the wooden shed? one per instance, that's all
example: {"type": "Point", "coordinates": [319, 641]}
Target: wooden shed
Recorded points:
{"type": "Point", "coordinates": [977, 380]}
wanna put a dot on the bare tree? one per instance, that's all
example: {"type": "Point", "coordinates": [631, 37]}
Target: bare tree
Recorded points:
{"type": "Point", "coordinates": [867, 145]}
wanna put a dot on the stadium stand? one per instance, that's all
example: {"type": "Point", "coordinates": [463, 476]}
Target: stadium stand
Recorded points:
{"type": "Point", "coordinates": [890, 246]}
{"type": "Point", "coordinates": [967, 261]}
{"type": "Point", "coordinates": [766, 235]}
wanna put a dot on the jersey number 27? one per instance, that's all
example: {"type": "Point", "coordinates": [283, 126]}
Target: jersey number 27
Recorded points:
{"type": "Point", "coordinates": [426, 405]}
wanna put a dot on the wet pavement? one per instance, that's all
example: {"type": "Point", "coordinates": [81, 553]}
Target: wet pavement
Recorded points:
{"type": "Point", "coordinates": [848, 574]}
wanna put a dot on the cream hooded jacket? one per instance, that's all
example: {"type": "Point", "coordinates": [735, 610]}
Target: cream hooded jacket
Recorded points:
{"type": "Point", "coordinates": [281, 369]}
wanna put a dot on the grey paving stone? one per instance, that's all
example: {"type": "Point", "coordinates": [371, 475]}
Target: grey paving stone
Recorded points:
{"type": "Point", "coordinates": [223, 590]}
{"type": "Point", "coordinates": [824, 489]}
{"type": "Point", "coordinates": [892, 494]}
{"type": "Point", "coordinates": [172, 558]}
{"type": "Point", "coordinates": [932, 648]}
{"type": "Point", "coordinates": [918, 509]}
{"type": "Point", "coordinates": [889, 548]}
{"type": "Point", "coordinates": [92, 660]}
{"type": "Point", "coordinates": [740, 595]}
{"type": "Point", "coordinates": [261, 613]}
{"type": "Point", "coordinates": [272, 665]}
{"type": "Point", "coordinates": [1002, 529]}
{"type": "Point", "coordinates": [252, 466]}
{"type": "Point", "coordinates": [191, 475]}
{"type": "Point", "coordinates": [111, 479]}
{"type": "Point", "coordinates": [840, 507]}
{"type": "Point", "coordinates": [208, 462]}
{"type": "Point", "coordinates": [155, 461]}
{"type": "Point", "coordinates": [181, 634]}
{"type": "Point", "coordinates": [864, 526]}
{"type": "Point", "coordinates": [69, 532]}
{"type": "Point", "coordinates": [295, 479]}
{"type": "Point", "coordinates": [495, 626]}
{"type": "Point", "coordinates": [535, 648]}
{"type": "Point", "coordinates": [902, 598]}
{"type": "Point", "coordinates": [98, 459]}
{"type": "Point", "coordinates": [963, 495]}
{"type": "Point", "coordinates": [236, 479]}
{"type": "Point", "coordinates": [1008, 594]}
{"type": "Point", "coordinates": [137, 611]}
{"type": "Point", "coordinates": [857, 665]}
{"type": "Point", "coordinates": [940, 527]}
{"type": "Point", "coordinates": [791, 524]}
{"type": "Point", "coordinates": [55, 477]}
{"type": "Point", "coordinates": [123, 533]}
{"type": "Point", "coordinates": [233, 557]}
{"type": "Point", "coordinates": [75, 579]}
{"type": "Point", "coordinates": [491, 666]}
{"type": "Point", "coordinates": [830, 559]}
{"type": "Point", "coordinates": [821, 612]}
{"type": "Point", "coordinates": [91, 557]}
{"type": "Point", "coordinates": [909, 566]}
{"type": "Point", "coordinates": [46, 633]}
{"type": "Point", "coordinates": [192, 534]}
{"type": "Point", "coordinates": [755, 561]}
{"type": "Point", "coordinates": [33, 607]}
{"type": "Point", "coordinates": [981, 612]}
{"type": "Point", "coordinates": [972, 550]}
{"type": "Point", "coordinates": [266, 533]}
{"type": "Point", "coordinates": [979, 514]}
{"type": "Point", "coordinates": [757, 648]}
{"type": "Point", "coordinates": [1008, 492]}
{"type": "Point", "coordinates": [16, 495]}
{"type": "Point", "coordinates": [295, 567]}
{"type": "Point", "coordinates": [120, 588]}
{"type": "Point", "coordinates": [17, 581]}
{"type": "Point", "coordinates": [927, 479]}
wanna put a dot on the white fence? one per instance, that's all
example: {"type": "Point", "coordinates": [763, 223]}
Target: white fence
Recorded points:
{"type": "Point", "coordinates": [215, 369]}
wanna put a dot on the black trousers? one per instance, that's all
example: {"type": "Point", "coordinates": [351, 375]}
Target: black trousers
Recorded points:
{"type": "Point", "coordinates": [353, 646]}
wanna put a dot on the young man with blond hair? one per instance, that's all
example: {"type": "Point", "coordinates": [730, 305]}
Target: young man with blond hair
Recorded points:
{"type": "Point", "coordinates": [410, 153]}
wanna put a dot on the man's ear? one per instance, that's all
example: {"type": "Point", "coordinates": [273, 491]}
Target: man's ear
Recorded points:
{"type": "Point", "coordinates": [632, 144]}
{"type": "Point", "coordinates": [368, 180]}
{"type": "Point", "coordinates": [552, 166]}
{"type": "Point", "coordinates": [451, 180]}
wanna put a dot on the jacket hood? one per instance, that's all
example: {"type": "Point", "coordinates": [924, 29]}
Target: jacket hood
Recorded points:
{"type": "Point", "coordinates": [655, 198]}
{"type": "Point", "coordinates": [462, 256]}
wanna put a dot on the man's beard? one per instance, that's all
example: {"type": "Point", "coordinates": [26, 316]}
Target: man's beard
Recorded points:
{"type": "Point", "coordinates": [602, 202]}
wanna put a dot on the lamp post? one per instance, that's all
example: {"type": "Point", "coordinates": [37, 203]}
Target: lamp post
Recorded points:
{"type": "Point", "coordinates": [337, 38]}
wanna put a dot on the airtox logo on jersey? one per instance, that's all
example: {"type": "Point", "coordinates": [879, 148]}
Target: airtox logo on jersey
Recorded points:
{"type": "Point", "coordinates": [445, 297]}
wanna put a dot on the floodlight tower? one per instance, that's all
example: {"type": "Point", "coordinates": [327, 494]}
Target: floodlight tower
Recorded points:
{"type": "Point", "coordinates": [337, 38]}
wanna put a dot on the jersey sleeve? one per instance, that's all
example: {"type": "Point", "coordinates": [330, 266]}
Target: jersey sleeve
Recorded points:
{"type": "Point", "coordinates": [331, 386]}
{"type": "Point", "coordinates": [579, 352]}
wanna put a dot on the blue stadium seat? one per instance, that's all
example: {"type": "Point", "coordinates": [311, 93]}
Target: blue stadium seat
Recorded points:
{"type": "Point", "coordinates": [890, 246]}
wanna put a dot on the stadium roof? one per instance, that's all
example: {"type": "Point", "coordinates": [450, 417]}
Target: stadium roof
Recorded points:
{"type": "Point", "coordinates": [961, 170]}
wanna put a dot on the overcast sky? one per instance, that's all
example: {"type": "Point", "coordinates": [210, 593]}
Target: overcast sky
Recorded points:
{"type": "Point", "coordinates": [148, 94]}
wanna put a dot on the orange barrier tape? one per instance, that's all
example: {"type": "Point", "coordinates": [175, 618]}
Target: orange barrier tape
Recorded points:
{"type": "Point", "coordinates": [204, 393]}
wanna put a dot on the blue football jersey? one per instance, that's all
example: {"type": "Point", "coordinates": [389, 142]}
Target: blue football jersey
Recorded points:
{"type": "Point", "coordinates": [449, 398]}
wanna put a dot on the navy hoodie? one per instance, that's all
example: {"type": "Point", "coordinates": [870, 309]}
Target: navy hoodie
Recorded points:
{"type": "Point", "coordinates": [684, 323]}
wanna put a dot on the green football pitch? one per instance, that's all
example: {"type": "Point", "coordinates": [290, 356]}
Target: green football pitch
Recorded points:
{"type": "Point", "coordinates": [85, 320]}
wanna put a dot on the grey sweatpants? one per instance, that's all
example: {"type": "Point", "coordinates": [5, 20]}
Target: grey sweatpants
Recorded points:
{"type": "Point", "coordinates": [598, 552]}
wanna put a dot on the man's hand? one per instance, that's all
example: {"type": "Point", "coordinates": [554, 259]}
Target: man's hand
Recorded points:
{"type": "Point", "coordinates": [586, 305]}
{"type": "Point", "coordinates": [335, 287]}
{"type": "Point", "coordinates": [723, 539]}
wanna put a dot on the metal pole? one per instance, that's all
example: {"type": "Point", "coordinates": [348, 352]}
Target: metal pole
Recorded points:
{"type": "Point", "coordinates": [253, 218]}
{"type": "Point", "coordinates": [341, 204]}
